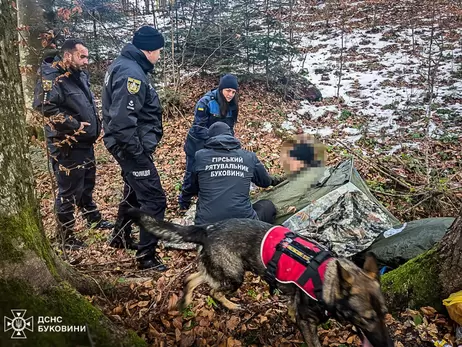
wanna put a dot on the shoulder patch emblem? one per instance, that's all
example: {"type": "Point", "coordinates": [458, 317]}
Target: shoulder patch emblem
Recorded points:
{"type": "Point", "coordinates": [47, 85]}
{"type": "Point", "coordinates": [200, 109]}
{"type": "Point", "coordinates": [133, 85]}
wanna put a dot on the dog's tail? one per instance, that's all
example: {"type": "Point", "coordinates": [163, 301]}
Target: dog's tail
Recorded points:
{"type": "Point", "coordinates": [169, 231]}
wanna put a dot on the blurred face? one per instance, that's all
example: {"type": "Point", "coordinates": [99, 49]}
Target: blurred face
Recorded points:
{"type": "Point", "coordinates": [153, 56]}
{"type": "Point", "coordinates": [228, 93]}
{"type": "Point", "coordinates": [78, 58]}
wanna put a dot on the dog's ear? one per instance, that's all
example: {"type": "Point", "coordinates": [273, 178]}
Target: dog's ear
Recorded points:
{"type": "Point", "coordinates": [370, 266]}
{"type": "Point", "coordinates": [346, 279]}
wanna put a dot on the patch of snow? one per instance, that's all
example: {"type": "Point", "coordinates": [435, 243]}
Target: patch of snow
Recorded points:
{"type": "Point", "coordinates": [314, 111]}
{"type": "Point", "coordinates": [323, 132]}
{"type": "Point", "coordinates": [267, 126]}
{"type": "Point", "coordinates": [351, 131]}
{"type": "Point", "coordinates": [381, 79]}
{"type": "Point", "coordinates": [288, 125]}
{"type": "Point", "coordinates": [402, 146]}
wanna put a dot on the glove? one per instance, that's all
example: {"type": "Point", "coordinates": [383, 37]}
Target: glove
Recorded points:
{"type": "Point", "coordinates": [275, 180]}
{"type": "Point", "coordinates": [184, 205]}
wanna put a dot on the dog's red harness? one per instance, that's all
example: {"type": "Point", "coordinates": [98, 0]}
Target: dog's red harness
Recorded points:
{"type": "Point", "coordinates": [290, 258]}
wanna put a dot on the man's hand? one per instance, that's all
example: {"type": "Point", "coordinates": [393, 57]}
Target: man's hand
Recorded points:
{"type": "Point", "coordinates": [184, 205]}
{"type": "Point", "coordinates": [82, 124]}
{"type": "Point", "coordinates": [276, 179]}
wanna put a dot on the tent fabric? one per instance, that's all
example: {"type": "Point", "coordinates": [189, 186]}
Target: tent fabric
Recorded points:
{"type": "Point", "coordinates": [405, 241]}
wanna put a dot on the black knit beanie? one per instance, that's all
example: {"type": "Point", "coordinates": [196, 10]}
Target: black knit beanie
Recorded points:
{"type": "Point", "coordinates": [304, 152]}
{"type": "Point", "coordinates": [228, 81]}
{"type": "Point", "coordinates": [219, 128]}
{"type": "Point", "coordinates": [148, 39]}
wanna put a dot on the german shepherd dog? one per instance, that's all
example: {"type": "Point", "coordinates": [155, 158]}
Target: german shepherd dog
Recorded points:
{"type": "Point", "coordinates": [231, 247]}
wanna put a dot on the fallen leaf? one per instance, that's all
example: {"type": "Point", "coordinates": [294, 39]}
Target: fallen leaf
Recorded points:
{"type": "Point", "coordinates": [118, 310]}
{"type": "Point", "coordinates": [428, 311]}
{"type": "Point", "coordinates": [143, 303]}
{"type": "Point", "coordinates": [172, 301]}
{"type": "Point", "coordinates": [232, 323]}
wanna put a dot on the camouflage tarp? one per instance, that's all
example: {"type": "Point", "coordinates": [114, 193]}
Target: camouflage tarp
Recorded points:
{"type": "Point", "coordinates": [342, 212]}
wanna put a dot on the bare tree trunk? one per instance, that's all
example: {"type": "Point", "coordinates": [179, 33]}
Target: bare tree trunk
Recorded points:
{"type": "Point", "coordinates": [428, 279]}
{"type": "Point", "coordinates": [450, 254]}
{"type": "Point", "coordinates": [95, 35]}
{"type": "Point", "coordinates": [30, 16]}
{"type": "Point", "coordinates": [32, 278]}
{"type": "Point", "coordinates": [267, 48]}
{"type": "Point", "coordinates": [146, 6]}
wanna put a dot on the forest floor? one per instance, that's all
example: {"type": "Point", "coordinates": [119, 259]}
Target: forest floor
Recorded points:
{"type": "Point", "coordinates": [406, 146]}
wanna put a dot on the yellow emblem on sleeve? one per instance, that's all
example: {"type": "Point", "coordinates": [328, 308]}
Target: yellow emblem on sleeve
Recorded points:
{"type": "Point", "coordinates": [47, 85]}
{"type": "Point", "coordinates": [133, 85]}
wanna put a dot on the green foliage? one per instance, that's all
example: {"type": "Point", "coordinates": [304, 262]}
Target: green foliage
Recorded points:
{"type": "Point", "coordinates": [252, 293]}
{"type": "Point", "coordinates": [345, 115]}
{"type": "Point", "coordinates": [188, 312]}
{"type": "Point", "coordinates": [211, 302]}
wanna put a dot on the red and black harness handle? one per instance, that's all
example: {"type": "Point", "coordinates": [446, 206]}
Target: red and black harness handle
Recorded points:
{"type": "Point", "coordinates": [315, 259]}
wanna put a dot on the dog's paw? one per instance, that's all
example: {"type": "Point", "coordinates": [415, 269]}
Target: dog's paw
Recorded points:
{"type": "Point", "coordinates": [232, 306]}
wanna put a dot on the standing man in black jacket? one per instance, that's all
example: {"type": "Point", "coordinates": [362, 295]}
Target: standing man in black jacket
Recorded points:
{"type": "Point", "coordinates": [132, 122]}
{"type": "Point", "coordinates": [63, 96]}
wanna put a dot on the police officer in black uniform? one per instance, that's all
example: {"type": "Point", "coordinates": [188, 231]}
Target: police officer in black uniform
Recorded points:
{"type": "Point", "coordinates": [63, 95]}
{"type": "Point", "coordinates": [132, 122]}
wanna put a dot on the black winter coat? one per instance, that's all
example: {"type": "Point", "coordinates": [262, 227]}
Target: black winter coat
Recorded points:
{"type": "Point", "coordinates": [132, 114]}
{"type": "Point", "coordinates": [206, 113]}
{"type": "Point", "coordinates": [65, 97]}
{"type": "Point", "coordinates": [221, 178]}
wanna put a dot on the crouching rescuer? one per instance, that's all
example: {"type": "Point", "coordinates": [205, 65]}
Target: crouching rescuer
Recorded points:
{"type": "Point", "coordinates": [221, 179]}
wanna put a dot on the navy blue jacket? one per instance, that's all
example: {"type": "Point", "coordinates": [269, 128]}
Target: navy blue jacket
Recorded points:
{"type": "Point", "coordinates": [132, 114]}
{"type": "Point", "coordinates": [65, 97]}
{"type": "Point", "coordinates": [206, 113]}
{"type": "Point", "coordinates": [221, 177]}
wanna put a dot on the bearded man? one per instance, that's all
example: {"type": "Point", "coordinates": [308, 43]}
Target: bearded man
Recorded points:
{"type": "Point", "coordinates": [63, 96]}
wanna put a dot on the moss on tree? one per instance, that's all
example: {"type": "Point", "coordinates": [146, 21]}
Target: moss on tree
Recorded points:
{"type": "Point", "coordinates": [23, 232]}
{"type": "Point", "coordinates": [414, 284]}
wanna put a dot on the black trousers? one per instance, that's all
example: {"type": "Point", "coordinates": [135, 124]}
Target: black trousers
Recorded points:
{"type": "Point", "coordinates": [75, 172]}
{"type": "Point", "coordinates": [143, 190]}
{"type": "Point", "coordinates": [266, 211]}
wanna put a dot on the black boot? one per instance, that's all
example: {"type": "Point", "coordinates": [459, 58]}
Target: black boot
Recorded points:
{"type": "Point", "coordinates": [68, 241]}
{"type": "Point", "coordinates": [72, 243]}
{"type": "Point", "coordinates": [100, 224]}
{"type": "Point", "coordinates": [152, 263]}
{"type": "Point", "coordinates": [126, 242]}
{"type": "Point", "coordinates": [95, 220]}
{"type": "Point", "coordinates": [121, 236]}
